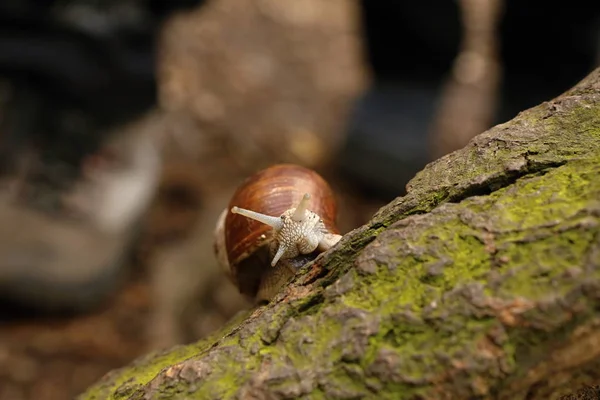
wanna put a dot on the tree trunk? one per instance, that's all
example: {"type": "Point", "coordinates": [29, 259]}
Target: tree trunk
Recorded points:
{"type": "Point", "coordinates": [482, 282]}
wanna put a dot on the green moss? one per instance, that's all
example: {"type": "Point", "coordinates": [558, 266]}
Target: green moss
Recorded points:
{"type": "Point", "coordinates": [408, 284]}
{"type": "Point", "coordinates": [130, 379]}
{"type": "Point", "coordinates": [302, 353]}
{"type": "Point", "coordinates": [531, 234]}
{"type": "Point", "coordinates": [229, 369]}
{"type": "Point", "coordinates": [542, 235]}
{"type": "Point", "coordinates": [408, 280]}
{"type": "Point", "coordinates": [538, 205]}
{"type": "Point", "coordinates": [142, 371]}
{"type": "Point", "coordinates": [340, 381]}
{"type": "Point", "coordinates": [232, 374]}
{"type": "Point", "coordinates": [543, 264]}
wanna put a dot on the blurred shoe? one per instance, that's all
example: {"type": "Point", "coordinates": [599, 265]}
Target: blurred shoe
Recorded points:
{"type": "Point", "coordinates": [386, 142]}
{"type": "Point", "coordinates": [70, 72]}
{"type": "Point", "coordinates": [66, 250]}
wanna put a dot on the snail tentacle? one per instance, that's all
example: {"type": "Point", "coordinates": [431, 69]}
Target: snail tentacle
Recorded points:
{"type": "Point", "coordinates": [300, 211]}
{"type": "Point", "coordinates": [273, 222]}
{"type": "Point", "coordinates": [281, 250]}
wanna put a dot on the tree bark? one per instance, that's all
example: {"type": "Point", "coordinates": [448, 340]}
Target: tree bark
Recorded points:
{"type": "Point", "coordinates": [482, 282]}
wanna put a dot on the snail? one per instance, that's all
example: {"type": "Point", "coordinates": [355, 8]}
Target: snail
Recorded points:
{"type": "Point", "coordinates": [278, 220]}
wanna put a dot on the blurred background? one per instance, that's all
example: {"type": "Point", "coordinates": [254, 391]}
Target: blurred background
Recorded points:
{"type": "Point", "coordinates": [126, 125]}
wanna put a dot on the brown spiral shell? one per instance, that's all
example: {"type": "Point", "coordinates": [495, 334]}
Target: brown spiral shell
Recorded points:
{"type": "Point", "coordinates": [271, 191]}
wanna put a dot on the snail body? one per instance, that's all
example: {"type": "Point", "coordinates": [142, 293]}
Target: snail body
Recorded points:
{"type": "Point", "coordinates": [279, 219]}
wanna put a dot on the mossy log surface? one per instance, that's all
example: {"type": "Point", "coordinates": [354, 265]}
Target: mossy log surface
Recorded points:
{"type": "Point", "coordinates": [482, 282]}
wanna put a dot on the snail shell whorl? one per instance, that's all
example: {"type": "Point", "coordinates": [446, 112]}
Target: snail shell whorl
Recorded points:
{"type": "Point", "coordinates": [271, 191]}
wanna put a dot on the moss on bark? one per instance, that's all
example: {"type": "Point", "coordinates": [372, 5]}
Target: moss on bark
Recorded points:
{"type": "Point", "coordinates": [482, 282]}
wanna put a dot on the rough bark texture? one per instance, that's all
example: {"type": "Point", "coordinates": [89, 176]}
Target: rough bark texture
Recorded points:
{"type": "Point", "coordinates": [482, 282]}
